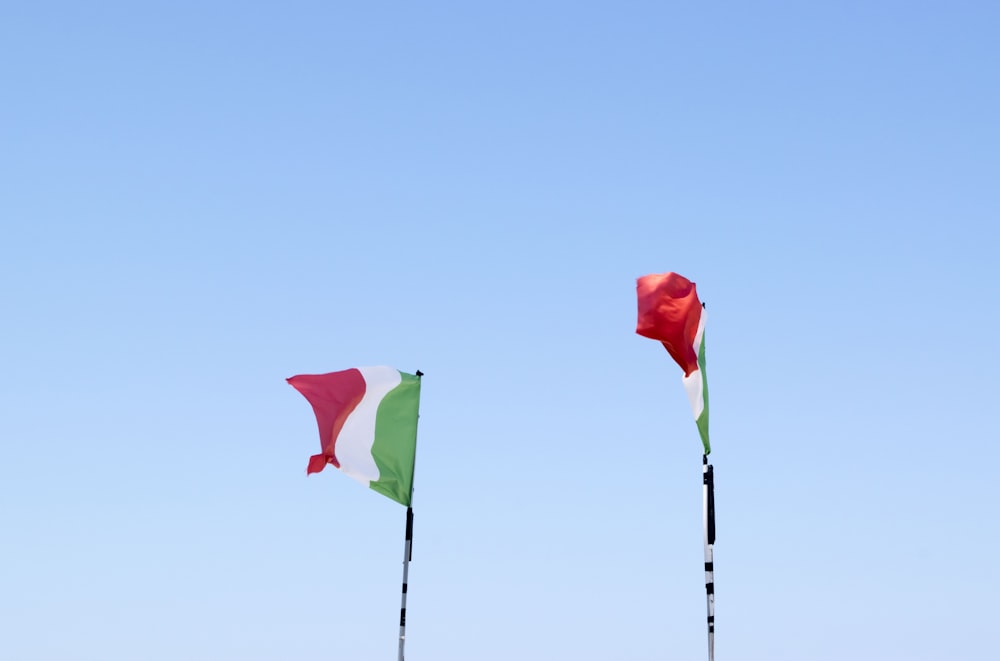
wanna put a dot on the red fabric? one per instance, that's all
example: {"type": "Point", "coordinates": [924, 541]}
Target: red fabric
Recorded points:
{"type": "Point", "coordinates": [669, 311]}
{"type": "Point", "coordinates": [333, 396]}
{"type": "Point", "coordinates": [318, 462]}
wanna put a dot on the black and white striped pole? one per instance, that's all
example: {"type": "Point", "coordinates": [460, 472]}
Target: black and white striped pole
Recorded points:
{"type": "Point", "coordinates": [708, 517]}
{"type": "Point", "coordinates": [407, 556]}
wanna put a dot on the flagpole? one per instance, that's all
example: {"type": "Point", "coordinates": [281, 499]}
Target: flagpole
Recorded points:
{"type": "Point", "coordinates": [708, 518]}
{"type": "Point", "coordinates": [407, 554]}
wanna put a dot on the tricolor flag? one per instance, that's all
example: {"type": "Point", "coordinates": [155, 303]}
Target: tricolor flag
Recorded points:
{"type": "Point", "coordinates": [669, 311]}
{"type": "Point", "coordinates": [367, 425]}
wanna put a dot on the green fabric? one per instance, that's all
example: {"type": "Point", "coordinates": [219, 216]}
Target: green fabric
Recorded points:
{"type": "Point", "coordinates": [395, 445]}
{"type": "Point", "coordinates": [703, 418]}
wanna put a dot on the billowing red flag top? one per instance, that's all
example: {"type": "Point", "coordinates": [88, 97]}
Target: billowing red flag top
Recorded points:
{"type": "Point", "coordinates": [669, 311]}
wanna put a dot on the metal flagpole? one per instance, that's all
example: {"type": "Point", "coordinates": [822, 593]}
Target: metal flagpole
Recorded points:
{"type": "Point", "coordinates": [708, 517]}
{"type": "Point", "coordinates": [407, 556]}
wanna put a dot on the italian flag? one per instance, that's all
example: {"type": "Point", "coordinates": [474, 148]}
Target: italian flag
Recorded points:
{"type": "Point", "coordinates": [367, 421]}
{"type": "Point", "coordinates": [669, 311]}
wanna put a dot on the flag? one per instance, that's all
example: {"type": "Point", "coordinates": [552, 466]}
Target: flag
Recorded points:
{"type": "Point", "coordinates": [669, 311]}
{"type": "Point", "coordinates": [367, 421]}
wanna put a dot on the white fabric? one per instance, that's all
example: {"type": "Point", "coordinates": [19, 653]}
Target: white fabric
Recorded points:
{"type": "Point", "coordinates": [354, 443]}
{"type": "Point", "coordinates": [694, 383]}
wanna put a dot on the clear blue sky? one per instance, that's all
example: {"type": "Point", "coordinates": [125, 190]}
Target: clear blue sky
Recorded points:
{"type": "Point", "coordinates": [200, 199]}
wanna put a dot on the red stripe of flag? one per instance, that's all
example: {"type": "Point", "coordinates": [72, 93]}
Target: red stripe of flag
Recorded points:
{"type": "Point", "coordinates": [333, 397]}
{"type": "Point", "coordinates": [669, 311]}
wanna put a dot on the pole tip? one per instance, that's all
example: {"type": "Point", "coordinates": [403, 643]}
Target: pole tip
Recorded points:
{"type": "Point", "coordinates": [419, 373]}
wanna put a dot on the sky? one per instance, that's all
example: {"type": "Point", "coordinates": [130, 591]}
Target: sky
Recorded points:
{"type": "Point", "coordinates": [201, 199]}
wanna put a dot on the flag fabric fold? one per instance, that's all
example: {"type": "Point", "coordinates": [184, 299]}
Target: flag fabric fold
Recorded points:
{"type": "Point", "coordinates": [367, 419]}
{"type": "Point", "coordinates": [670, 312]}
